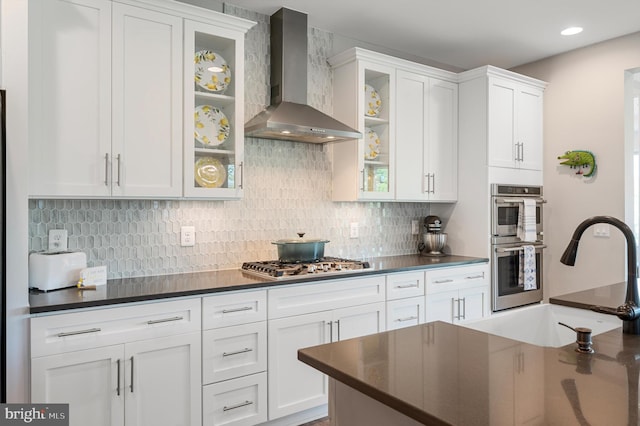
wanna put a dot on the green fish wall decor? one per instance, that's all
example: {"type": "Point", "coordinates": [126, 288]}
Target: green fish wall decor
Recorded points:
{"type": "Point", "coordinates": [580, 159]}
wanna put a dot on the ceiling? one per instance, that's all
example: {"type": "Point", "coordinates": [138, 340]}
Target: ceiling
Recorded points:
{"type": "Point", "coordinates": [467, 33]}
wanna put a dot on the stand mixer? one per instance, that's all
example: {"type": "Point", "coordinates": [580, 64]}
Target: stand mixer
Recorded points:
{"type": "Point", "coordinates": [433, 239]}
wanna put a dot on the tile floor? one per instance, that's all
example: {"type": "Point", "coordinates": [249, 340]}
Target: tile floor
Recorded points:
{"type": "Point", "coordinates": [320, 422]}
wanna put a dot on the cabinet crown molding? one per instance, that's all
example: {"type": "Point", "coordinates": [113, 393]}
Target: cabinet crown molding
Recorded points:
{"type": "Point", "coordinates": [492, 71]}
{"type": "Point", "coordinates": [193, 12]}
{"type": "Point", "coordinates": [357, 53]}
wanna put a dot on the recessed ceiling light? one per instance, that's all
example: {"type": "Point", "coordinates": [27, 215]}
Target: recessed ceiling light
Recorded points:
{"type": "Point", "coordinates": [571, 31]}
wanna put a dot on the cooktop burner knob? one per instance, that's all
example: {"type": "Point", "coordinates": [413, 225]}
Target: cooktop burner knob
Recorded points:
{"type": "Point", "coordinates": [311, 268]}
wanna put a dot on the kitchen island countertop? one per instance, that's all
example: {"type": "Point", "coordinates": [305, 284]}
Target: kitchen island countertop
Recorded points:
{"type": "Point", "coordinates": [140, 289]}
{"type": "Point", "coordinates": [440, 373]}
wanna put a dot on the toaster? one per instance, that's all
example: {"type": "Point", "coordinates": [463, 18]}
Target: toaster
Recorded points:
{"type": "Point", "coordinates": [54, 270]}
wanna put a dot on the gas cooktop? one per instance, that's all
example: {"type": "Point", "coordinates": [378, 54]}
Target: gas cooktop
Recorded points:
{"type": "Point", "coordinates": [276, 270]}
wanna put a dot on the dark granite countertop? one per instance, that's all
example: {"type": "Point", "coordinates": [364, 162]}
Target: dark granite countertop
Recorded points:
{"type": "Point", "coordinates": [127, 290]}
{"type": "Point", "coordinates": [610, 296]}
{"type": "Point", "coordinates": [439, 373]}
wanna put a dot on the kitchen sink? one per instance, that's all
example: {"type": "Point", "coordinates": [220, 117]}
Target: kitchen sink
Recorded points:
{"type": "Point", "coordinates": [538, 324]}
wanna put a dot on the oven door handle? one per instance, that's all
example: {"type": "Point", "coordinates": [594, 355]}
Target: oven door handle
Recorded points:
{"type": "Point", "coordinates": [512, 249]}
{"type": "Point", "coordinates": [517, 200]}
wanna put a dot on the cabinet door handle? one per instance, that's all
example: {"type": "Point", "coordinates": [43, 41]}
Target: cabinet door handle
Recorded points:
{"type": "Point", "coordinates": [158, 321]}
{"type": "Point", "coordinates": [233, 407]}
{"type": "Point", "coordinates": [448, 280]}
{"type": "Point", "coordinates": [244, 308]}
{"type": "Point", "coordinates": [411, 318]}
{"type": "Point", "coordinates": [106, 169]}
{"type": "Point", "coordinates": [407, 286]}
{"type": "Point", "coordinates": [241, 351]}
{"type": "Point", "coordinates": [464, 307]}
{"type": "Point", "coordinates": [73, 333]}
{"type": "Point", "coordinates": [118, 180]}
{"type": "Point", "coordinates": [330, 324]}
{"type": "Point", "coordinates": [363, 181]}
{"type": "Point", "coordinates": [456, 312]}
{"type": "Point", "coordinates": [338, 324]}
{"type": "Point", "coordinates": [118, 388]}
{"type": "Point", "coordinates": [131, 384]}
{"type": "Point", "coordinates": [241, 174]}
{"type": "Point", "coordinates": [433, 179]}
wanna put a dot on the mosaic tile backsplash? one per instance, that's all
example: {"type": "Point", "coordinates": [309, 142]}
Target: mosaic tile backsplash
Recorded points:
{"type": "Point", "coordinates": [287, 190]}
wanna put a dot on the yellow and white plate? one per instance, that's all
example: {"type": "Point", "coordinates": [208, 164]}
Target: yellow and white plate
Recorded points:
{"type": "Point", "coordinates": [211, 126]}
{"type": "Point", "coordinates": [209, 172]}
{"type": "Point", "coordinates": [371, 144]}
{"type": "Point", "coordinates": [372, 101]}
{"type": "Point", "coordinates": [211, 71]}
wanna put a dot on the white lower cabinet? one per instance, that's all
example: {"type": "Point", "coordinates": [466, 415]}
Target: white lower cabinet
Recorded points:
{"type": "Point", "coordinates": [294, 386]}
{"type": "Point", "coordinates": [98, 362]}
{"type": "Point", "coordinates": [86, 380]}
{"type": "Point", "coordinates": [150, 382]}
{"type": "Point", "coordinates": [405, 299]}
{"type": "Point", "coordinates": [234, 358]}
{"type": "Point", "coordinates": [457, 294]}
{"type": "Point", "coordinates": [237, 402]}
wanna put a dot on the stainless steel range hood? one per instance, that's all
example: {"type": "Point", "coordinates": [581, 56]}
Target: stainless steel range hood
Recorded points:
{"type": "Point", "coordinates": [289, 117]}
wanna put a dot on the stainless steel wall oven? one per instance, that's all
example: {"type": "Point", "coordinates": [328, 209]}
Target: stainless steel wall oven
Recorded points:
{"type": "Point", "coordinates": [506, 248]}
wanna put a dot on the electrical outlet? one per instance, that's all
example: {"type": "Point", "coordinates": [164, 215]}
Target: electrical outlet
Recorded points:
{"type": "Point", "coordinates": [188, 236]}
{"type": "Point", "coordinates": [414, 227]}
{"type": "Point", "coordinates": [601, 230]}
{"type": "Point", "coordinates": [58, 240]}
{"type": "Point", "coordinates": [353, 230]}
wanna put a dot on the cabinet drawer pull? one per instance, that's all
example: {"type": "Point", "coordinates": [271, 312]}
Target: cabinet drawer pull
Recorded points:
{"type": "Point", "coordinates": [73, 333]}
{"type": "Point", "coordinates": [178, 318]}
{"type": "Point", "coordinates": [241, 351]}
{"type": "Point", "coordinates": [407, 286]}
{"type": "Point", "coordinates": [474, 277]}
{"type": "Point", "coordinates": [443, 281]}
{"type": "Point", "coordinates": [244, 308]}
{"type": "Point", "coordinates": [233, 407]}
{"type": "Point", "coordinates": [242, 175]}
{"type": "Point", "coordinates": [411, 318]}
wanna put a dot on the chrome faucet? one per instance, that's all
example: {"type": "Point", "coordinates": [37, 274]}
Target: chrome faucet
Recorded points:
{"type": "Point", "coordinates": [629, 312]}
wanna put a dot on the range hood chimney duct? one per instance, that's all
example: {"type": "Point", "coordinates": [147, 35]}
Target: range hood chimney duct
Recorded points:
{"type": "Point", "coordinates": [289, 117]}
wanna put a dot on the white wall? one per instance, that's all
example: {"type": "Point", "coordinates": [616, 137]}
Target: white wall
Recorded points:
{"type": "Point", "coordinates": [584, 109]}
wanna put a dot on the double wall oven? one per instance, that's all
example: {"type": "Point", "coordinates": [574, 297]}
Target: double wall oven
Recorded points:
{"type": "Point", "coordinates": [506, 247]}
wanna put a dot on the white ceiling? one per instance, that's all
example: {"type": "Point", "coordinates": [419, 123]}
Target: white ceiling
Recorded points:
{"type": "Point", "coordinates": [467, 33]}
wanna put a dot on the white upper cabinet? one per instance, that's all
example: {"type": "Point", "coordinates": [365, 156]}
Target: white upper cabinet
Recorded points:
{"type": "Point", "coordinates": [408, 114]}
{"type": "Point", "coordinates": [146, 103]}
{"type": "Point", "coordinates": [426, 138]}
{"type": "Point", "coordinates": [213, 111]}
{"type": "Point", "coordinates": [364, 98]}
{"type": "Point", "coordinates": [69, 97]}
{"type": "Point", "coordinates": [515, 124]}
{"type": "Point", "coordinates": [106, 97]}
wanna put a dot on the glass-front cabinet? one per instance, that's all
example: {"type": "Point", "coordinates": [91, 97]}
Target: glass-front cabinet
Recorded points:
{"type": "Point", "coordinates": [214, 112]}
{"type": "Point", "coordinates": [364, 99]}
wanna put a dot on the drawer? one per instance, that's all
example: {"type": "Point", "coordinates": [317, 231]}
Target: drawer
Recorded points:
{"type": "Point", "coordinates": [405, 312]}
{"type": "Point", "coordinates": [234, 308]}
{"type": "Point", "coordinates": [67, 332]}
{"type": "Point", "coordinates": [232, 352]}
{"type": "Point", "coordinates": [237, 402]}
{"type": "Point", "coordinates": [409, 284]}
{"type": "Point", "coordinates": [316, 297]}
{"type": "Point", "coordinates": [447, 279]}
